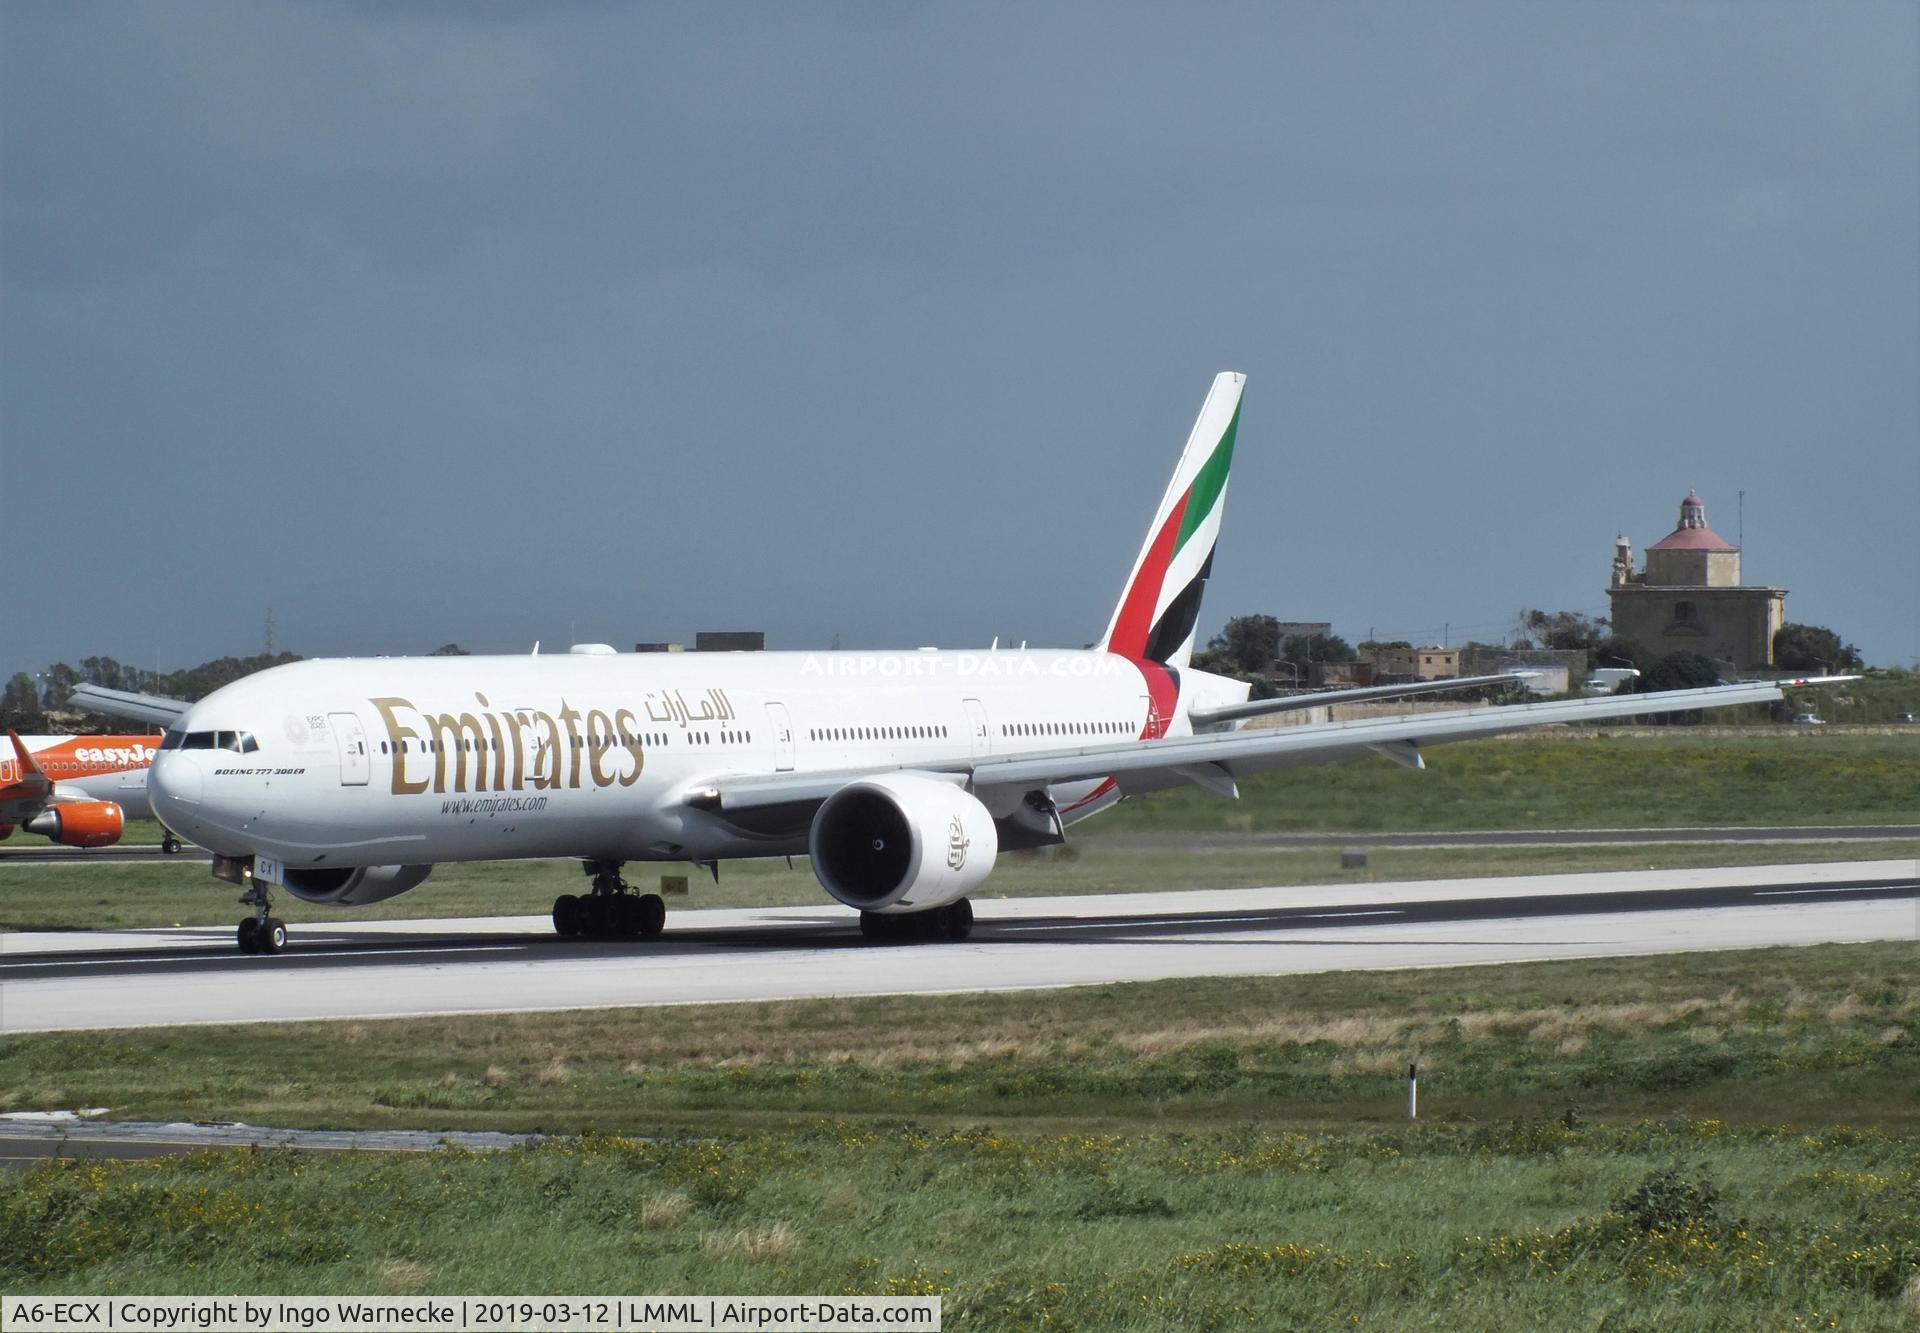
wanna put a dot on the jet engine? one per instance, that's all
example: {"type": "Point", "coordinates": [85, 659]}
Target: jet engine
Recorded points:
{"type": "Point", "coordinates": [79, 823]}
{"type": "Point", "coordinates": [351, 886]}
{"type": "Point", "coordinates": [901, 842]}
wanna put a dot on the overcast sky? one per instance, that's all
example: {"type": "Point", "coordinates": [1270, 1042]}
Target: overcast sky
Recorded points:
{"type": "Point", "coordinates": [495, 323]}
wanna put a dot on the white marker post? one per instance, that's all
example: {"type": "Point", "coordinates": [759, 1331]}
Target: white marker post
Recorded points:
{"type": "Point", "coordinates": [1413, 1092]}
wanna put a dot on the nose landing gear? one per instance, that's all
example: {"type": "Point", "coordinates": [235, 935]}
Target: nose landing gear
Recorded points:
{"type": "Point", "coordinates": [612, 910]}
{"type": "Point", "coordinates": [261, 932]}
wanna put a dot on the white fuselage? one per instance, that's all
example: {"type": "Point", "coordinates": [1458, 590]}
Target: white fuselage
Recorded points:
{"type": "Point", "coordinates": [390, 761]}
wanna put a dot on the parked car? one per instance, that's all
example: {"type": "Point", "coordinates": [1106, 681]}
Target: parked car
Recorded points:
{"type": "Point", "coordinates": [1808, 720]}
{"type": "Point", "coordinates": [1904, 717]}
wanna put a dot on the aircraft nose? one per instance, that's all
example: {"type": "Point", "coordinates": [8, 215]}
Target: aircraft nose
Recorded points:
{"type": "Point", "coordinates": [174, 784]}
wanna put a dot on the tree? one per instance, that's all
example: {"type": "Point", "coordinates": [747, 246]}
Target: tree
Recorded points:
{"type": "Point", "coordinates": [20, 708]}
{"type": "Point", "coordinates": [1251, 643]}
{"type": "Point", "coordinates": [1679, 671]}
{"type": "Point", "coordinates": [1558, 629]}
{"type": "Point", "coordinates": [1813, 648]}
{"type": "Point", "coordinates": [449, 650]}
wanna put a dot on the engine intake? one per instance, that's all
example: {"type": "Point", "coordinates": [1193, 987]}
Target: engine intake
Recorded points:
{"type": "Point", "coordinates": [351, 886]}
{"type": "Point", "coordinates": [80, 823]}
{"type": "Point", "coordinates": [901, 842]}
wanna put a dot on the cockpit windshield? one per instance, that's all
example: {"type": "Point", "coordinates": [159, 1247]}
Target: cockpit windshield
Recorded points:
{"type": "Point", "coordinates": [240, 742]}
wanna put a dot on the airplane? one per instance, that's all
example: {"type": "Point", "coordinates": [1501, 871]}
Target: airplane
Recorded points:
{"type": "Point", "coordinates": [76, 790]}
{"type": "Point", "coordinates": [900, 775]}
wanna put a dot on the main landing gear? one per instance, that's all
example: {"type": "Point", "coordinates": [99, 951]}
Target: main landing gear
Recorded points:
{"type": "Point", "coordinates": [612, 911]}
{"type": "Point", "coordinates": [952, 922]}
{"type": "Point", "coordinates": [261, 932]}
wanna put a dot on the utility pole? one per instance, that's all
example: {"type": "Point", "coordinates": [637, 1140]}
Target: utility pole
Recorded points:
{"type": "Point", "coordinates": [269, 631]}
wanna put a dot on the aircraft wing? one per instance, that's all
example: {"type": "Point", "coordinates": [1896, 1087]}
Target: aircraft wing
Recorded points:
{"type": "Point", "coordinates": [156, 709]}
{"type": "Point", "coordinates": [1216, 759]}
{"type": "Point", "coordinates": [1203, 717]}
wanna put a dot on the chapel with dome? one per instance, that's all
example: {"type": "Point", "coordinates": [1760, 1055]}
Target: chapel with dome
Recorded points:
{"type": "Point", "coordinates": [1689, 598]}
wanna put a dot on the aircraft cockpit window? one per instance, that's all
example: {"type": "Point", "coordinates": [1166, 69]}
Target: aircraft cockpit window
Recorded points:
{"type": "Point", "coordinates": [197, 740]}
{"type": "Point", "coordinates": [171, 741]}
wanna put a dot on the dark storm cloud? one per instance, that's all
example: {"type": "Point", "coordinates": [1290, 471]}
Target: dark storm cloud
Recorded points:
{"type": "Point", "coordinates": [491, 323]}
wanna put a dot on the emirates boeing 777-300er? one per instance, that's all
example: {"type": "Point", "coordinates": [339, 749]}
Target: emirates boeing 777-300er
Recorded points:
{"type": "Point", "coordinates": [901, 775]}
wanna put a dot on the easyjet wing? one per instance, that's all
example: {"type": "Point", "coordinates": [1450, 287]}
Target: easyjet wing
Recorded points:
{"type": "Point", "coordinates": [155, 709]}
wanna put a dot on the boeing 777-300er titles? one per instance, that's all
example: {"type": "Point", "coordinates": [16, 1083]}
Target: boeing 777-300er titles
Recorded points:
{"type": "Point", "coordinates": [77, 790]}
{"type": "Point", "coordinates": [901, 775]}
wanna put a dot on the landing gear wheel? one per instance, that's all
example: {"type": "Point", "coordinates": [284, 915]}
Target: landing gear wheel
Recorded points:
{"type": "Point", "coordinates": [959, 919]}
{"type": "Point", "coordinates": [270, 936]}
{"type": "Point", "coordinates": [652, 913]}
{"type": "Point", "coordinates": [625, 911]}
{"type": "Point", "coordinates": [170, 845]}
{"type": "Point", "coordinates": [567, 916]}
{"type": "Point", "coordinates": [248, 936]}
{"type": "Point", "coordinates": [593, 916]}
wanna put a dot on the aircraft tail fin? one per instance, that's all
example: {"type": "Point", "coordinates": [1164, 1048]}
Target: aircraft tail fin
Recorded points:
{"type": "Point", "coordinates": [1160, 609]}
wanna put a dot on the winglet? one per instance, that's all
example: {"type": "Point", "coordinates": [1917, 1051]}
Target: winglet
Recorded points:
{"type": "Point", "coordinates": [29, 774]}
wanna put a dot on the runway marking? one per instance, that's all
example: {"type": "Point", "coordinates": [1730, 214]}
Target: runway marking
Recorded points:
{"type": "Point", "coordinates": [1844, 888]}
{"type": "Point", "coordinates": [330, 953]}
{"type": "Point", "coordinates": [1129, 923]}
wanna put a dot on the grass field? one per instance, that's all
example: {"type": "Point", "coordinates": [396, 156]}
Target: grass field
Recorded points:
{"type": "Point", "coordinates": [1809, 1036]}
{"type": "Point", "coordinates": [1569, 780]}
{"type": "Point", "coordinates": [1690, 1225]}
{"type": "Point", "coordinates": [77, 896]}
{"type": "Point", "coordinates": [1713, 1141]}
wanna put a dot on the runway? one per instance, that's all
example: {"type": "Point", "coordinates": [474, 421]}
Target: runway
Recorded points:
{"type": "Point", "coordinates": [176, 977]}
{"type": "Point", "coordinates": [144, 854]}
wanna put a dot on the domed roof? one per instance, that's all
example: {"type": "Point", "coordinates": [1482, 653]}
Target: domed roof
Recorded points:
{"type": "Point", "coordinates": [1693, 534]}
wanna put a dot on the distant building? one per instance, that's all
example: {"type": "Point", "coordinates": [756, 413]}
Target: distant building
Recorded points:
{"type": "Point", "coordinates": [1430, 663]}
{"type": "Point", "coordinates": [659, 647]}
{"type": "Point", "coordinates": [1689, 598]}
{"type": "Point", "coordinates": [730, 641]}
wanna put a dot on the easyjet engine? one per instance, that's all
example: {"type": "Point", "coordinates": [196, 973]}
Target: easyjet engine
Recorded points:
{"type": "Point", "coordinates": [901, 842]}
{"type": "Point", "coordinates": [79, 823]}
{"type": "Point", "coordinates": [351, 886]}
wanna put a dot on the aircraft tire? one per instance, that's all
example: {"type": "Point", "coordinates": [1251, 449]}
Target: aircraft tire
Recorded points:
{"type": "Point", "coordinates": [567, 915]}
{"type": "Point", "coordinates": [959, 922]}
{"type": "Point", "coordinates": [271, 935]}
{"type": "Point", "coordinates": [170, 845]}
{"type": "Point", "coordinates": [248, 936]}
{"type": "Point", "coordinates": [626, 916]}
{"type": "Point", "coordinates": [651, 914]}
{"type": "Point", "coordinates": [873, 926]}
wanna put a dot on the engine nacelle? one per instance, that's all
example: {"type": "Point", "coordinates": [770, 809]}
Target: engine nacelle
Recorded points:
{"type": "Point", "coordinates": [6, 831]}
{"type": "Point", "coordinates": [80, 823]}
{"type": "Point", "coordinates": [901, 842]}
{"type": "Point", "coordinates": [351, 886]}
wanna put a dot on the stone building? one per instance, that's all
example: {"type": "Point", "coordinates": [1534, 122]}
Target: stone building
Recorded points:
{"type": "Point", "coordinates": [1689, 598]}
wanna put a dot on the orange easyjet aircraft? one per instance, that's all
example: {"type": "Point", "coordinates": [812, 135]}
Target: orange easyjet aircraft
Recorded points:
{"type": "Point", "coordinates": [77, 790]}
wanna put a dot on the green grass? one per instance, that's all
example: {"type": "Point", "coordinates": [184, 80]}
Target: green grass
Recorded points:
{"type": "Point", "coordinates": [1568, 781]}
{"type": "Point", "coordinates": [1688, 1225]}
{"type": "Point", "coordinates": [1809, 1036]}
{"type": "Point", "coordinates": [1714, 1141]}
{"type": "Point", "coordinates": [113, 896]}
